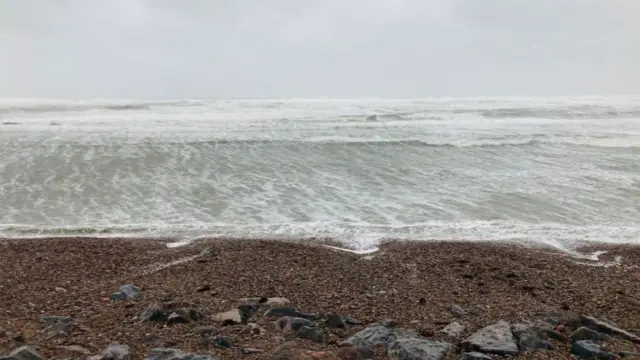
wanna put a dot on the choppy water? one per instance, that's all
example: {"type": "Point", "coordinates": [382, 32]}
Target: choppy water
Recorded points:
{"type": "Point", "coordinates": [555, 170]}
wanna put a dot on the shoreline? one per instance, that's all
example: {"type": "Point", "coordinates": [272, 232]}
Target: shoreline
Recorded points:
{"type": "Point", "coordinates": [415, 283]}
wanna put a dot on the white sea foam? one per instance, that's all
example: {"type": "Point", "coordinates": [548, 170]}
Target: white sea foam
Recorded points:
{"type": "Point", "coordinates": [559, 171]}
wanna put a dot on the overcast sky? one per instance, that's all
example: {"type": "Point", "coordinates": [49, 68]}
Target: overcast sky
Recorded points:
{"type": "Point", "coordinates": [299, 48]}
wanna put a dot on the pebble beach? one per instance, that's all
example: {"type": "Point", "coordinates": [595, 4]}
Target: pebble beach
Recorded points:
{"type": "Point", "coordinates": [258, 299]}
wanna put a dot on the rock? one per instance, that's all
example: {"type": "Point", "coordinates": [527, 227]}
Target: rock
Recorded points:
{"type": "Point", "coordinates": [177, 317]}
{"type": "Point", "coordinates": [371, 336]}
{"type": "Point", "coordinates": [607, 328]}
{"type": "Point", "coordinates": [250, 350]}
{"type": "Point", "coordinates": [336, 321]}
{"type": "Point", "coordinates": [230, 317]}
{"type": "Point", "coordinates": [205, 330]}
{"type": "Point", "coordinates": [152, 313]}
{"type": "Point", "coordinates": [312, 333]}
{"type": "Point", "coordinates": [288, 324]}
{"type": "Point", "coordinates": [219, 342]}
{"type": "Point", "coordinates": [203, 288]}
{"type": "Point", "coordinates": [530, 341]}
{"type": "Point", "coordinates": [584, 333]}
{"type": "Point", "coordinates": [550, 333]}
{"type": "Point", "coordinates": [58, 330]}
{"type": "Point", "coordinates": [355, 353]}
{"type": "Point", "coordinates": [3, 333]}
{"type": "Point", "coordinates": [23, 353]}
{"type": "Point", "coordinates": [454, 329]}
{"type": "Point", "coordinates": [174, 354]}
{"type": "Point", "coordinates": [494, 339]}
{"type": "Point", "coordinates": [158, 341]}
{"type": "Point", "coordinates": [116, 352]}
{"type": "Point", "coordinates": [277, 302]}
{"type": "Point", "coordinates": [287, 311]}
{"type": "Point", "coordinates": [129, 291]}
{"type": "Point", "coordinates": [416, 349]}
{"type": "Point", "coordinates": [52, 319]}
{"type": "Point", "coordinates": [254, 329]}
{"type": "Point", "coordinates": [457, 310]}
{"type": "Point", "coordinates": [473, 356]}
{"type": "Point", "coordinates": [586, 349]}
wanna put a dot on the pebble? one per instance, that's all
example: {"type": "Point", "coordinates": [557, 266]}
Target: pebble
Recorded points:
{"type": "Point", "coordinates": [250, 350]}
{"type": "Point", "coordinates": [288, 311]}
{"type": "Point", "coordinates": [128, 291]}
{"type": "Point", "coordinates": [220, 342]}
{"type": "Point", "coordinates": [152, 313]}
{"type": "Point", "coordinates": [288, 324]}
{"type": "Point", "coordinates": [230, 317]}
{"type": "Point", "coordinates": [312, 333]}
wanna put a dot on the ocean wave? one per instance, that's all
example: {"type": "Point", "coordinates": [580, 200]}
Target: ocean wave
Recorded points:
{"type": "Point", "coordinates": [367, 110]}
{"type": "Point", "coordinates": [608, 142]}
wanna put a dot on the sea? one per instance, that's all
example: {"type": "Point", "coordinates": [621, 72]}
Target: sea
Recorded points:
{"type": "Point", "coordinates": [558, 171]}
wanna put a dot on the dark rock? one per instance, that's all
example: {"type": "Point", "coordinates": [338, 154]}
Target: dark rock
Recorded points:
{"type": "Point", "coordinates": [607, 328]}
{"type": "Point", "coordinates": [288, 324]}
{"type": "Point", "coordinates": [551, 334]}
{"type": "Point", "coordinates": [336, 321]}
{"type": "Point", "coordinates": [494, 339]}
{"type": "Point", "coordinates": [584, 333]}
{"type": "Point", "coordinates": [473, 356]}
{"type": "Point", "coordinates": [116, 352]}
{"type": "Point", "coordinates": [220, 342]}
{"type": "Point", "coordinates": [287, 311]}
{"type": "Point", "coordinates": [52, 319]}
{"type": "Point", "coordinates": [230, 317]}
{"type": "Point", "coordinates": [586, 349]}
{"type": "Point", "coordinates": [250, 350]}
{"type": "Point", "coordinates": [371, 336]}
{"type": "Point", "coordinates": [454, 329]}
{"type": "Point", "coordinates": [415, 349]}
{"type": "Point", "coordinates": [312, 333]}
{"type": "Point", "coordinates": [158, 341]}
{"type": "Point", "coordinates": [355, 353]}
{"type": "Point", "coordinates": [203, 288]}
{"type": "Point", "coordinates": [530, 341]}
{"type": "Point", "coordinates": [3, 333]}
{"type": "Point", "coordinates": [351, 321]}
{"type": "Point", "coordinates": [23, 353]}
{"type": "Point", "coordinates": [175, 354]}
{"type": "Point", "coordinates": [457, 310]}
{"type": "Point", "coordinates": [129, 291]}
{"type": "Point", "coordinates": [177, 318]}
{"type": "Point", "coordinates": [153, 313]}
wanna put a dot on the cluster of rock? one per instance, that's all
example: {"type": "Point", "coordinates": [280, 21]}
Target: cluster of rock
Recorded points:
{"type": "Point", "coordinates": [399, 343]}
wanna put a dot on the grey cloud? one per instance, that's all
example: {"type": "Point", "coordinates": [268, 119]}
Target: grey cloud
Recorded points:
{"type": "Point", "coordinates": [281, 48]}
